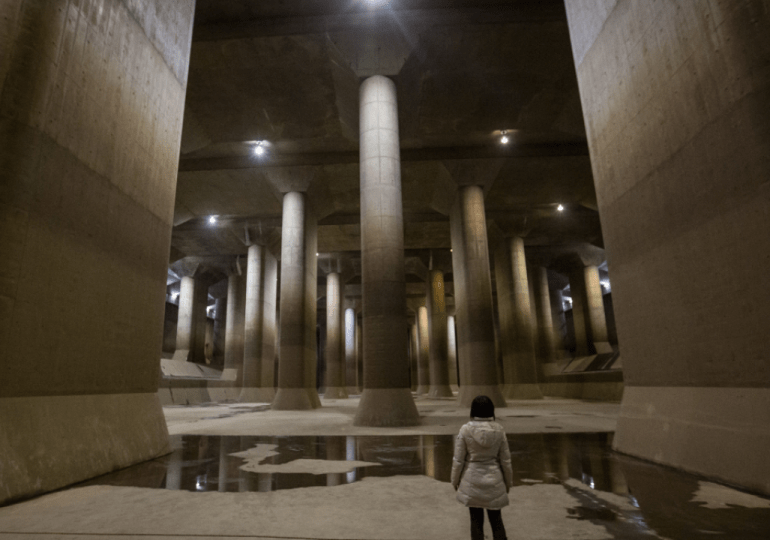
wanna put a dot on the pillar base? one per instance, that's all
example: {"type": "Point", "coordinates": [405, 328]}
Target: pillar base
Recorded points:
{"type": "Point", "coordinates": [522, 391]}
{"type": "Point", "coordinates": [422, 389]}
{"type": "Point", "coordinates": [335, 392]}
{"type": "Point", "coordinates": [256, 395]}
{"type": "Point", "coordinates": [386, 407]}
{"type": "Point", "coordinates": [292, 399]}
{"type": "Point", "coordinates": [440, 391]}
{"type": "Point", "coordinates": [469, 392]}
{"type": "Point", "coordinates": [312, 395]}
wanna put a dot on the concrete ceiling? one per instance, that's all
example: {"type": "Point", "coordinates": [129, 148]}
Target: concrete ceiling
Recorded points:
{"type": "Point", "coordinates": [287, 72]}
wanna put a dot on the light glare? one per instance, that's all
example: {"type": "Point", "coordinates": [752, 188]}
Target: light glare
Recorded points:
{"type": "Point", "coordinates": [213, 219]}
{"type": "Point", "coordinates": [504, 139]}
{"type": "Point", "coordinates": [259, 150]}
{"type": "Point", "coordinates": [560, 208]}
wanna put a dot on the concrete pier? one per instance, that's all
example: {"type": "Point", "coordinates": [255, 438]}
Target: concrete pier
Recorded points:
{"type": "Point", "coordinates": [297, 355]}
{"type": "Point", "coordinates": [386, 399]}
{"type": "Point", "coordinates": [473, 288]}
{"type": "Point", "coordinates": [437, 319]}
{"type": "Point", "coordinates": [334, 350]}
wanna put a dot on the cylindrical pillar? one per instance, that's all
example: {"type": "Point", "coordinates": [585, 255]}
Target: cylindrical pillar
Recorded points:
{"type": "Point", "coordinates": [236, 300]}
{"type": "Point", "coordinates": [423, 351]}
{"type": "Point", "coordinates": [185, 326]}
{"type": "Point", "coordinates": [414, 354]}
{"type": "Point", "coordinates": [588, 312]}
{"type": "Point", "coordinates": [350, 352]}
{"type": "Point", "coordinates": [297, 355]}
{"type": "Point", "coordinates": [220, 322]}
{"type": "Point", "coordinates": [252, 326]}
{"type": "Point", "coordinates": [559, 322]}
{"type": "Point", "coordinates": [386, 399]}
{"type": "Point", "coordinates": [545, 333]}
{"type": "Point", "coordinates": [525, 385]}
{"type": "Point", "coordinates": [476, 332]}
{"type": "Point", "coordinates": [266, 391]}
{"type": "Point", "coordinates": [437, 319]}
{"type": "Point", "coordinates": [335, 367]}
{"type": "Point", "coordinates": [360, 350]}
{"type": "Point", "coordinates": [452, 351]}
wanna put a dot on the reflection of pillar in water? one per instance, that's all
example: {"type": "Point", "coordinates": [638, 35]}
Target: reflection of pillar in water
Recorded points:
{"type": "Point", "coordinates": [350, 455]}
{"type": "Point", "coordinates": [617, 478]}
{"type": "Point", "coordinates": [428, 448]}
{"type": "Point", "coordinates": [336, 450]}
{"type": "Point", "coordinates": [264, 482]}
{"type": "Point", "coordinates": [247, 481]}
{"type": "Point", "coordinates": [222, 464]}
{"type": "Point", "coordinates": [563, 446]}
{"type": "Point", "coordinates": [539, 457]}
{"type": "Point", "coordinates": [174, 470]}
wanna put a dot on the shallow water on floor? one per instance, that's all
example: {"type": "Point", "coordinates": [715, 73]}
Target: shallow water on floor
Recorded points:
{"type": "Point", "coordinates": [630, 498]}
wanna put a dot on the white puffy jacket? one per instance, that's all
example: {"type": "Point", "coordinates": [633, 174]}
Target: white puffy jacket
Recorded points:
{"type": "Point", "coordinates": [482, 465]}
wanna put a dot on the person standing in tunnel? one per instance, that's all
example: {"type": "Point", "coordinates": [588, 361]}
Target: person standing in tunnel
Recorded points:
{"type": "Point", "coordinates": [481, 469]}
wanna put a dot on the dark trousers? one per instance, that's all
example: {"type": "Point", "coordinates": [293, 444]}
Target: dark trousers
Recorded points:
{"type": "Point", "coordinates": [477, 524]}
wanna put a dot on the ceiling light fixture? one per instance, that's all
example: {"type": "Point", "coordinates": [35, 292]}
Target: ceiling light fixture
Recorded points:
{"type": "Point", "coordinates": [560, 208]}
{"type": "Point", "coordinates": [213, 219]}
{"type": "Point", "coordinates": [504, 139]}
{"type": "Point", "coordinates": [259, 149]}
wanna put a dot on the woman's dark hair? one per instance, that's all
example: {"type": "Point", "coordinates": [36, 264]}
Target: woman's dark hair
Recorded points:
{"type": "Point", "coordinates": [482, 407]}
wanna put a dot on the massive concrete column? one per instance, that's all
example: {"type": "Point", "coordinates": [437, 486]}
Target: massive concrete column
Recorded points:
{"type": "Point", "coordinates": [473, 290]}
{"type": "Point", "coordinates": [437, 319]}
{"type": "Point", "coordinates": [414, 353]}
{"type": "Point", "coordinates": [259, 326]}
{"type": "Point", "coordinates": [684, 203]}
{"type": "Point", "coordinates": [386, 399]}
{"type": "Point", "coordinates": [87, 210]}
{"type": "Point", "coordinates": [252, 325]}
{"type": "Point", "coordinates": [351, 364]}
{"type": "Point", "coordinates": [297, 355]}
{"type": "Point", "coordinates": [523, 327]}
{"type": "Point", "coordinates": [185, 326]}
{"type": "Point", "coordinates": [266, 392]}
{"type": "Point", "coordinates": [423, 351]}
{"type": "Point", "coordinates": [546, 341]}
{"type": "Point", "coordinates": [191, 323]}
{"type": "Point", "coordinates": [588, 312]}
{"type": "Point", "coordinates": [452, 351]}
{"type": "Point", "coordinates": [234, 327]}
{"type": "Point", "coordinates": [334, 351]}
{"type": "Point", "coordinates": [219, 292]}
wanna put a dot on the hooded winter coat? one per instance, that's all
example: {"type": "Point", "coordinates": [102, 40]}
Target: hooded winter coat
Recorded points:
{"type": "Point", "coordinates": [481, 468]}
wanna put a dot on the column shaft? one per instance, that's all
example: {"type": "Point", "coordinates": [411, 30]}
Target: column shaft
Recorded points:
{"type": "Point", "coordinates": [423, 351]}
{"type": "Point", "coordinates": [269, 296]}
{"type": "Point", "coordinates": [252, 331]}
{"type": "Point", "coordinates": [297, 355]}
{"type": "Point", "coordinates": [351, 379]}
{"type": "Point", "coordinates": [386, 399]}
{"type": "Point", "coordinates": [588, 312]}
{"type": "Point", "coordinates": [185, 326]}
{"type": "Point", "coordinates": [452, 351]}
{"type": "Point", "coordinates": [437, 320]}
{"type": "Point", "coordinates": [546, 344]}
{"type": "Point", "coordinates": [236, 300]}
{"type": "Point", "coordinates": [475, 320]}
{"type": "Point", "coordinates": [525, 385]}
{"type": "Point", "coordinates": [335, 367]}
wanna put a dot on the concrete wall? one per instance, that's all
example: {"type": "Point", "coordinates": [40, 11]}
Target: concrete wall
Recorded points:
{"type": "Point", "coordinates": [91, 101]}
{"type": "Point", "coordinates": [676, 97]}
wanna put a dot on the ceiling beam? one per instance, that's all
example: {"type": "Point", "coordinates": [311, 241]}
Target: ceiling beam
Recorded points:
{"type": "Point", "coordinates": [407, 154]}
{"type": "Point", "coordinates": [414, 19]}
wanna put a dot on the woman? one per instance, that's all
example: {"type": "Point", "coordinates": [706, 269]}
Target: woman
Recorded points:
{"type": "Point", "coordinates": [481, 469]}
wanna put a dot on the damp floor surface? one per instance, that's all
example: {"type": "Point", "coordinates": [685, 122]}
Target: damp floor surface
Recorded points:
{"type": "Point", "coordinates": [243, 471]}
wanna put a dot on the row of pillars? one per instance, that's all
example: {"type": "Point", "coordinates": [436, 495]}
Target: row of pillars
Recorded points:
{"type": "Point", "coordinates": [386, 398]}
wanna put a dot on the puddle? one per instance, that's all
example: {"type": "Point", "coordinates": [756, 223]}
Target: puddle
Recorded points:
{"type": "Point", "coordinates": [631, 499]}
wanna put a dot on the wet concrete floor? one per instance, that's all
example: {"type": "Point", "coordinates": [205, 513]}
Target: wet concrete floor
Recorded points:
{"type": "Point", "coordinates": [629, 498]}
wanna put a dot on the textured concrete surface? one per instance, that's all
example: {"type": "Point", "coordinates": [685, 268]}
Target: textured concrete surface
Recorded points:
{"type": "Point", "coordinates": [297, 355]}
{"type": "Point", "coordinates": [678, 128]}
{"type": "Point", "coordinates": [386, 366]}
{"type": "Point", "coordinates": [91, 101]}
